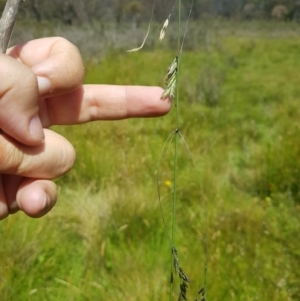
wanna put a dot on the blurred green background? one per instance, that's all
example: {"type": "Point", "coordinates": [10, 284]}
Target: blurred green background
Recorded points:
{"type": "Point", "coordinates": [239, 113]}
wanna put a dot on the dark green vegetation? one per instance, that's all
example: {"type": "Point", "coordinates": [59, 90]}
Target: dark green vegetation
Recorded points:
{"type": "Point", "coordinates": [82, 12]}
{"type": "Point", "coordinates": [240, 114]}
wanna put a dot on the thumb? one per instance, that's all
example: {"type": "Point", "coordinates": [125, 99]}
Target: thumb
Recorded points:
{"type": "Point", "coordinates": [19, 102]}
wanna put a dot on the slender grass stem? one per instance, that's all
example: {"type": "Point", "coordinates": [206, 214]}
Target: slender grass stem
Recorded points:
{"type": "Point", "coordinates": [178, 68]}
{"type": "Point", "coordinates": [175, 149]}
{"type": "Point", "coordinates": [174, 209]}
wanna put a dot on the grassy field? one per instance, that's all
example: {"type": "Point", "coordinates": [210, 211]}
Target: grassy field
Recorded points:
{"type": "Point", "coordinates": [105, 239]}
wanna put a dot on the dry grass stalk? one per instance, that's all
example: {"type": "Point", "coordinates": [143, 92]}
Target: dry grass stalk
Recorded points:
{"type": "Point", "coordinates": [147, 34]}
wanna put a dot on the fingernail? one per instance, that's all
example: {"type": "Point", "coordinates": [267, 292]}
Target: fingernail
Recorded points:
{"type": "Point", "coordinates": [46, 201]}
{"type": "Point", "coordinates": [43, 84]}
{"type": "Point", "coordinates": [35, 127]}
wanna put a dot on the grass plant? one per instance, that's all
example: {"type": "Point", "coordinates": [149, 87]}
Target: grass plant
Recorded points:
{"type": "Point", "coordinates": [105, 239]}
{"type": "Point", "coordinates": [172, 83]}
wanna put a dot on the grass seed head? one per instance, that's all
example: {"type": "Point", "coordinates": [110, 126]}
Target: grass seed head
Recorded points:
{"type": "Point", "coordinates": [171, 79]}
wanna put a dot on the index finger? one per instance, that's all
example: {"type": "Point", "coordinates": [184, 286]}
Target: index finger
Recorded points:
{"type": "Point", "coordinates": [104, 102]}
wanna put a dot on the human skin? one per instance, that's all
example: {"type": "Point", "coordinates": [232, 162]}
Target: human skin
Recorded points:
{"type": "Point", "coordinates": [43, 78]}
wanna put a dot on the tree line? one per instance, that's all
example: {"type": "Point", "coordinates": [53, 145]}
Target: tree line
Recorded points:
{"type": "Point", "coordinates": [137, 11]}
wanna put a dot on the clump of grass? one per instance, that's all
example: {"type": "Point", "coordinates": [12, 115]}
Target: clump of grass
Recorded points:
{"type": "Point", "coordinates": [209, 87]}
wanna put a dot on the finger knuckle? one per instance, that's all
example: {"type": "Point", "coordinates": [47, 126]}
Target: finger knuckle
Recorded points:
{"type": "Point", "coordinates": [10, 156]}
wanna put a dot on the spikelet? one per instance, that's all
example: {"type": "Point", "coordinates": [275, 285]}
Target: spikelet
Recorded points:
{"type": "Point", "coordinates": [171, 79]}
{"type": "Point", "coordinates": [164, 28]}
{"type": "Point", "coordinates": [183, 290]}
{"type": "Point", "coordinates": [201, 295]}
{"type": "Point", "coordinates": [185, 280]}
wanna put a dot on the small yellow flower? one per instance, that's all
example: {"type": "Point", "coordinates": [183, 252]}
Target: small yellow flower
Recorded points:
{"type": "Point", "coordinates": [168, 183]}
{"type": "Point", "coordinates": [268, 200]}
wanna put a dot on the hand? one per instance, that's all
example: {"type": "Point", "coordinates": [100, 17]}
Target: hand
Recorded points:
{"type": "Point", "coordinates": [56, 88]}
